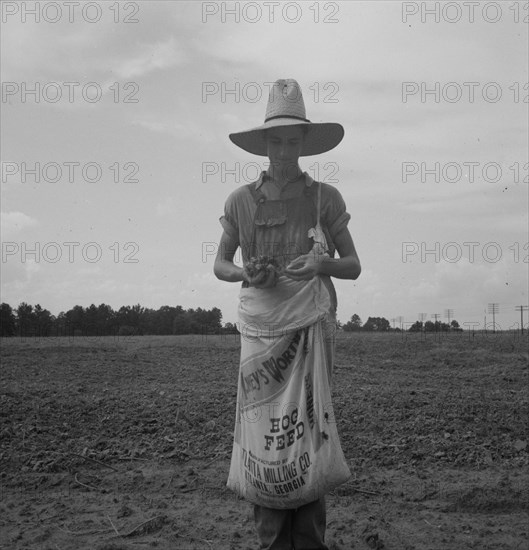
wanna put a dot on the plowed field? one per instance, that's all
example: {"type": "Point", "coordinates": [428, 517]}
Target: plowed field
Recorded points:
{"type": "Point", "coordinates": [121, 444]}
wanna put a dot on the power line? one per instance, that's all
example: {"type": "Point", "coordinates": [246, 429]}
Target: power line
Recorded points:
{"type": "Point", "coordinates": [449, 313]}
{"type": "Point", "coordinates": [521, 309]}
{"type": "Point", "coordinates": [494, 308]}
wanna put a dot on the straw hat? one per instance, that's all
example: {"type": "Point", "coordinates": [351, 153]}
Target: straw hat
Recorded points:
{"type": "Point", "coordinates": [287, 108]}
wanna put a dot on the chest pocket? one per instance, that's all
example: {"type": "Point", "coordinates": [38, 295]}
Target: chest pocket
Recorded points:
{"type": "Point", "coordinates": [271, 213]}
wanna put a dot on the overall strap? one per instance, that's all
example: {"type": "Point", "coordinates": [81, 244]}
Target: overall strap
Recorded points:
{"type": "Point", "coordinates": [318, 210]}
{"type": "Point", "coordinates": [315, 195]}
{"type": "Point", "coordinates": [259, 198]}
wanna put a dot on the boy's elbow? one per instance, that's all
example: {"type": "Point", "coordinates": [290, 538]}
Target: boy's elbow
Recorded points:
{"type": "Point", "coordinates": [217, 270]}
{"type": "Point", "coordinates": [356, 270]}
{"type": "Point", "coordinates": [222, 269]}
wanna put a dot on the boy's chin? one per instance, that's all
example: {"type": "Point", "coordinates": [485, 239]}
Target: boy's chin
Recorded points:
{"type": "Point", "coordinates": [289, 170]}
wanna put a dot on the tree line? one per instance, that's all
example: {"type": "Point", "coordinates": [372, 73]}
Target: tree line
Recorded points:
{"type": "Point", "coordinates": [381, 324]}
{"type": "Point", "coordinates": [27, 320]}
{"type": "Point", "coordinates": [102, 320]}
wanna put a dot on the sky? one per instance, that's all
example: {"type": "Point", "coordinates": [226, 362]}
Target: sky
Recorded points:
{"type": "Point", "coordinates": [116, 160]}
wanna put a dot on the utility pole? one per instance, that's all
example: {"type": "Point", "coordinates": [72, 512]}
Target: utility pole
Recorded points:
{"type": "Point", "coordinates": [494, 308]}
{"type": "Point", "coordinates": [449, 313]}
{"type": "Point", "coordinates": [521, 309]}
{"type": "Point", "coordinates": [399, 320]}
{"type": "Point", "coordinates": [435, 316]}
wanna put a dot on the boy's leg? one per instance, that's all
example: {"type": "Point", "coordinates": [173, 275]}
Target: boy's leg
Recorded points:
{"type": "Point", "coordinates": [274, 528]}
{"type": "Point", "coordinates": [308, 526]}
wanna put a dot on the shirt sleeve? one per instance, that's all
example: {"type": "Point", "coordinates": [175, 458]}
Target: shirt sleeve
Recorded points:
{"type": "Point", "coordinates": [334, 213]}
{"type": "Point", "coordinates": [229, 220]}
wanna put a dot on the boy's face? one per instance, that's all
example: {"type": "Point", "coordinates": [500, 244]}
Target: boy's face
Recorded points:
{"type": "Point", "coordinates": [284, 146]}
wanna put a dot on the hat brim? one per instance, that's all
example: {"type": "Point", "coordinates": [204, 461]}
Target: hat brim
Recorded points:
{"type": "Point", "coordinates": [320, 138]}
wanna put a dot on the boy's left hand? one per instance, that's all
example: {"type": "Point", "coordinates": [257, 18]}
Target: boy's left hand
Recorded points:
{"type": "Point", "coordinates": [304, 268]}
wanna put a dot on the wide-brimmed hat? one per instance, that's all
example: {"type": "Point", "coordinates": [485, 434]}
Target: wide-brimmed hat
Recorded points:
{"type": "Point", "coordinates": [287, 108]}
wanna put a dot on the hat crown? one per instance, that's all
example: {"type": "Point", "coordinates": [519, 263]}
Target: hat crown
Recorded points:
{"type": "Point", "coordinates": [285, 100]}
{"type": "Point", "coordinates": [286, 108]}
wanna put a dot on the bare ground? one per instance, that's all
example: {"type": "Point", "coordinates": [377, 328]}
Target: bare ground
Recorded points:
{"type": "Point", "coordinates": [121, 444]}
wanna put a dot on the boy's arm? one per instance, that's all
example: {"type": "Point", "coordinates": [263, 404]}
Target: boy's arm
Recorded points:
{"type": "Point", "coordinates": [224, 268]}
{"type": "Point", "coordinates": [348, 265]}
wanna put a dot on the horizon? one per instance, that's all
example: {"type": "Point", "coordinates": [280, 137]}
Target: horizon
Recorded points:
{"type": "Point", "coordinates": [402, 325]}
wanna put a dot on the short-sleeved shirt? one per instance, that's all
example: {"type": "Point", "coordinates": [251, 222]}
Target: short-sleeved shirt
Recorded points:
{"type": "Point", "coordinates": [264, 220]}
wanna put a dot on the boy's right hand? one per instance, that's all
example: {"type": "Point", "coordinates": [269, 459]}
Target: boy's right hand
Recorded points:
{"type": "Point", "coordinates": [262, 279]}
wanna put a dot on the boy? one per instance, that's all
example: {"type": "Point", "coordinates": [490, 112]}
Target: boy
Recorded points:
{"type": "Point", "coordinates": [296, 225]}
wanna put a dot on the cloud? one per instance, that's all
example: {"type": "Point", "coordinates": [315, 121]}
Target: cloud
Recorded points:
{"type": "Point", "coordinates": [172, 128]}
{"type": "Point", "coordinates": [32, 267]}
{"type": "Point", "coordinates": [166, 207]}
{"type": "Point", "coordinates": [469, 286]}
{"type": "Point", "coordinates": [160, 55]}
{"type": "Point", "coordinates": [15, 222]}
{"type": "Point", "coordinates": [19, 278]}
{"type": "Point", "coordinates": [176, 126]}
